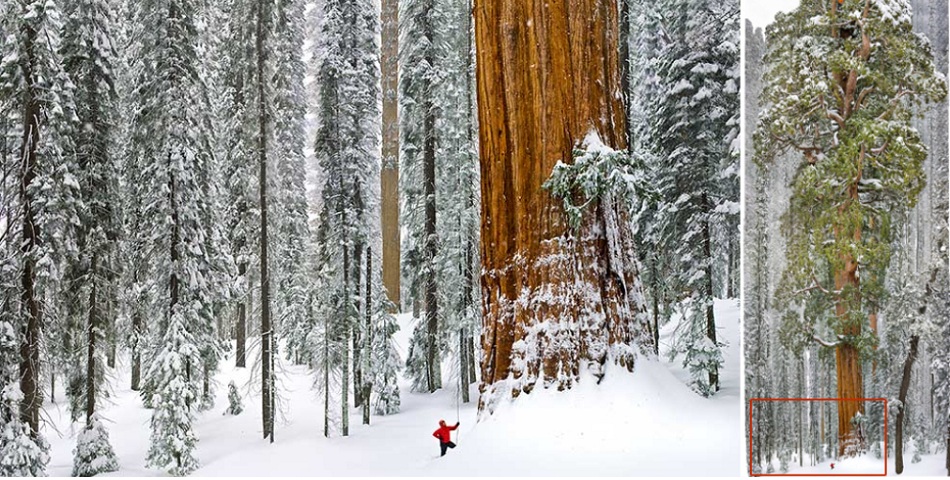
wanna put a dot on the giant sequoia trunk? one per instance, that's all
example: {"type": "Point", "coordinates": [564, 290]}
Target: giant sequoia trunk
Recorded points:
{"type": "Point", "coordinates": [389, 174]}
{"type": "Point", "coordinates": [847, 357]}
{"type": "Point", "coordinates": [554, 301]}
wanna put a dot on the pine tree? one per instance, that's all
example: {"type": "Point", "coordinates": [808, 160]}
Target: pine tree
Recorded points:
{"type": "Point", "coordinates": [87, 53]}
{"type": "Point", "coordinates": [36, 93]}
{"type": "Point", "coordinates": [291, 202]}
{"type": "Point", "coordinates": [347, 149]}
{"type": "Point", "coordinates": [693, 136]}
{"type": "Point", "coordinates": [851, 174]}
{"type": "Point", "coordinates": [174, 181]}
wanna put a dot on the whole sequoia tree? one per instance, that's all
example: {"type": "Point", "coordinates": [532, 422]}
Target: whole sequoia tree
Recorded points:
{"type": "Point", "coordinates": [843, 80]}
{"type": "Point", "coordinates": [555, 298]}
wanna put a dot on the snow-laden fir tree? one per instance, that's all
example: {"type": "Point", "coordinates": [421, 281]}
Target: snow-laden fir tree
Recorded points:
{"type": "Point", "coordinates": [93, 264]}
{"type": "Point", "coordinates": [35, 103]}
{"type": "Point", "coordinates": [347, 150]}
{"type": "Point", "coordinates": [293, 228]}
{"type": "Point", "coordinates": [439, 183]}
{"type": "Point", "coordinates": [693, 132]}
{"type": "Point", "coordinates": [174, 177]}
{"type": "Point", "coordinates": [840, 96]}
{"type": "Point", "coordinates": [93, 452]}
{"type": "Point", "coordinates": [422, 29]}
{"type": "Point", "coordinates": [237, 152]}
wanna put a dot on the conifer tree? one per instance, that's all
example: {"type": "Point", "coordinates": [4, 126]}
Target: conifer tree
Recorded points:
{"type": "Point", "coordinates": [841, 97]}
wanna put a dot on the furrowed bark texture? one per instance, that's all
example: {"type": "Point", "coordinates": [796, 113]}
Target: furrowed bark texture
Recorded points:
{"type": "Point", "coordinates": [552, 300]}
{"type": "Point", "coordinates": [389, 174]}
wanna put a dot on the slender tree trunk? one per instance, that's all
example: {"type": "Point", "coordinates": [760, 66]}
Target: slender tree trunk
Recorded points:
{"type": "Point", "coordinates": [326, 377]}
{"type": "Point", "coordinates": [902, 399]}
{"type": "Point", "coordinates": [91, 348]}
{"type": "Point", "coordinates": [656, 306]}
{"type": "Point", "coordinates": [111, 355]}
{"type": "Point", "coordinates": [241, 334]}
{"type": "Point", "coordinates": [366, 383]}
{"type": "Point", "coordinates": [434, 372]}
{"type": "Point", "coordinates": [30, 331]}
{"type": "Point", "coordinates": [345, 417]}
{"type": "Point", "coordinates": [389, 175]}
{"type": "Point", "coordinates": [710, 316]}
{"type": "Point", "coordinates": [625, 63]}
{"type": "Point", "coordinates": [267, 353]}
{"type": "Point", "coordinates": [139, 332]}
{"type": "Point", "coordinates": [541, 91]}
{"type": "Point", "coordinates": [357, 332]}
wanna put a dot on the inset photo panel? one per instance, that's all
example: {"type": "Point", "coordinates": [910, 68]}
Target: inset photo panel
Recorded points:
{"type": "Point", "coordinates": [846, 302]}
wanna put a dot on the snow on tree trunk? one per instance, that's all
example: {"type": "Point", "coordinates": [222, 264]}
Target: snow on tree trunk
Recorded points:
{"type": "Point", "coordinates": [902, 405]}
{"type": "Point", "coordinates": [553, 302]}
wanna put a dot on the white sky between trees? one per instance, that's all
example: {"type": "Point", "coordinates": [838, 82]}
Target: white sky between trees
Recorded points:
{"type": "Point", "coordinates": [762, 12]}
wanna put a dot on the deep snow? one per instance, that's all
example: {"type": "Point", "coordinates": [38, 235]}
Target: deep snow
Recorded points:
{"type": "Point", "coordinates": [645, 423]}
{"type": "Point", "coordinates": [929, 465]}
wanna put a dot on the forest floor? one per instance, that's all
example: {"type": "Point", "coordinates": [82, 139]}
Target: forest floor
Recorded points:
{"type": "Point", "coordinates": [929, 466]}
{"type": "Point", "coordinates": [645, 423]}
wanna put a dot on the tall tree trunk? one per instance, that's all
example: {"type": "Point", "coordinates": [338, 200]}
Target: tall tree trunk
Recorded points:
{"type": "Point", "coordinates": [433, 363]}
{"type": "Point", "coordinates": [138, 330]}
{"type": "Point", "coordinates": [625, 64]}
{"type": "Point", "coordinates": [357, 332]}
{"type": "Point", "coordinates": [902, 399]}
{"type": "Point", "coordinates": [540, 92]}
{"type": "Point", "coordinates": [366, 384]}
{"type": "Point", "coordinates": [267, 353]}
{"type": "Point", "coordinates": [326, 376]}
{"type": "Point", "coordinates": [710, 315]}
{"type": "Point", "coordinates": [241, 334]}
{"type": "Point", "coordinates": [111, 354]}
{"type": "Point", "coordinates": [91, 348]}
{"type": "Point", "coordinates": [345, 417]}
{"type": "Point", "coordinates": [656, 306]}
{"type": "Point", "coordinates": [30, 332]}
{"type": "Point", "coordinates": [389, 175]}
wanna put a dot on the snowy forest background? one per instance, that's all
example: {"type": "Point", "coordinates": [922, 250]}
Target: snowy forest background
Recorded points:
{"type": "Point", "coordinates": [194, 188]}
{"type": "Point", "coordinates": [912, 327]}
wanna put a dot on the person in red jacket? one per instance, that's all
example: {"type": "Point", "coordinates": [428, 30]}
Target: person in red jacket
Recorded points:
{"type": "Point", "coordinates": [445, 438]}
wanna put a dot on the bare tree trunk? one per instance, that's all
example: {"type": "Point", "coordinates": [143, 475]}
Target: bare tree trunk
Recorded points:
{"type": "Point", "coordinates": [267, 353]}
{"type": "Point", "coordinates": [240, 351]}
{"type": "Point", "coordinates": [138, 330]}
{"type": "Point", "coordinates": [389, 175]}
{"type": "Point", "coordinates": [346, 343]}
{"type": "Point", "coordinates": [357, 332]}
{"type": "Point", "coordinates": [541, 90]}
{"type": "Point", "coordinates": [30, 332]}
{"type": "Point", "coordinates": [625, 62]}
{"type": "Point", "coordinates": [326, 377]}
{"type": "Point", "coordinates": [656, 306]}
{"type": "Point", "coordinates": [366, 383]}
{"type": "Point", "coordinates": [902, 399]}
{"type": "Point", "coordinates": [710, 316]}
{"type": "Point", "coordinates": [91, 349]}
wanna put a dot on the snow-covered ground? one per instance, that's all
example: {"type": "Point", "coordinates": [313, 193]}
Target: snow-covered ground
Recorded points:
{"type": "Point", "coordinates": [929, 465]}
{"type": "Point", "coordinates": [645, 423]}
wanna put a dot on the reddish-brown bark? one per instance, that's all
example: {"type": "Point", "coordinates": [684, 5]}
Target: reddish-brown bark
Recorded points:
{"type": "Point", "coordinates": [548, 74]}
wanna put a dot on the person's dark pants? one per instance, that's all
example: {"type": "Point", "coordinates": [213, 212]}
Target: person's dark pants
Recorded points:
{"type": "Point", "coordinates": [445, 446]}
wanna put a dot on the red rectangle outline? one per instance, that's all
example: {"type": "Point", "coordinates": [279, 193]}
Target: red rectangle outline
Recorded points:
{"type": "Point", "coordinates": [817, 474]}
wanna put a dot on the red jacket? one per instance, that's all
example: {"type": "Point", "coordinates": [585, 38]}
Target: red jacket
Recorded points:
{"type": "Point", "coordinates": [443, 433]}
